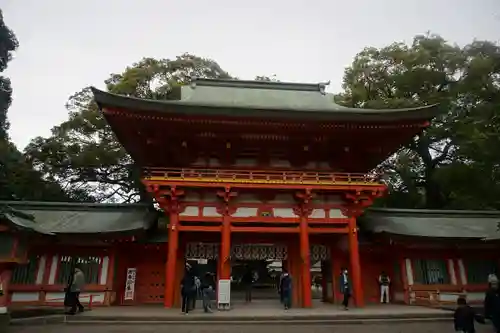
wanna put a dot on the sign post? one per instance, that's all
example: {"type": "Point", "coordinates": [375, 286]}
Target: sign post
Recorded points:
{"type": "Point", "coordinates": [224, 295]}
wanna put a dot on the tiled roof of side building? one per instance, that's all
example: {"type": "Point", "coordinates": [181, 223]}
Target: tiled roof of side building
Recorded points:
{"type": "Point", "coordinates": [77, 218]}
{"type": "Point", "coordinates": [484, 225]}
{"type": "Point", "coordinates": [260, 99]}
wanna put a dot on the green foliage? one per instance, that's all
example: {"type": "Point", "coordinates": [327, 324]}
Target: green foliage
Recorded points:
{"type": "Point", "coordinates": [453, 163]}
{"type": "Point", "coordinates": [18, 179]}
{"type": "Point", "coordinates": [8, 44]}
{"type": "Point", "coordinates": [82, 153]}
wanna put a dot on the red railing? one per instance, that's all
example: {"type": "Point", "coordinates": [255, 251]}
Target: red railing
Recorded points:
{"type": "Point", "coordinates": [268, 176]}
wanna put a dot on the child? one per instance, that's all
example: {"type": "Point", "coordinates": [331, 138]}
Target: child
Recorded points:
{"type": "Point", "coordinates": [464, 317]}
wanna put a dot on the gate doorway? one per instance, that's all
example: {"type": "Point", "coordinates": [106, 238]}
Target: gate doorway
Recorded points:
{"type": "Point", "coordinates": [264, 275]}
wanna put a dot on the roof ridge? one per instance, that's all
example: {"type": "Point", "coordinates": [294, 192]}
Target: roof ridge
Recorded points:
{"type": "Point", "coordinates": [256, 84]}
{"type": "Point", "coordinates": [63, 204]}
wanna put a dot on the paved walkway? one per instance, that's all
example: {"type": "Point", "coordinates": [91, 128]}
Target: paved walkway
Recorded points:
{"type": "Point", "coordinates": [262, 310]}
{"type": "Point", "coordinates": [438, 327]}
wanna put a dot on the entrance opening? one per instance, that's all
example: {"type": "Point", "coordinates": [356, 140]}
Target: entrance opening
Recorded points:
{"type": "Point", "coordinates": [263, 275]}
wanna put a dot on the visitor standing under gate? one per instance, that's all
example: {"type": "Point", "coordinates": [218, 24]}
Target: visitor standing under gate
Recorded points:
{"type": "Point", "coordinates": [188, 288]}
{"type": "Point", "coordinates": [286, 290]}
{"type": "Point", "coordinates": [345, 288]}
{"type": "Point", "coordinates": [384, 281]}
{"type": "Point", "coordinates": [247, 281]}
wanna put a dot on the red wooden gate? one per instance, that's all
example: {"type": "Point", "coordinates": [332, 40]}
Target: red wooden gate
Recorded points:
{"type": "Point", "coordinates": [150, 281]}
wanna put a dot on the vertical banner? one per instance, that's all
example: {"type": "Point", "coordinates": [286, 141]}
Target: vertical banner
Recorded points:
{"type": "Point", "coordinates": [130, 284]}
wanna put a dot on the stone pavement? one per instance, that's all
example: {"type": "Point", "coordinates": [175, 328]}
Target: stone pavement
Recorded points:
{"type": "Point", "coordinates": [263, 310]}
{"type": "Point", "coordinates": [431, 327]}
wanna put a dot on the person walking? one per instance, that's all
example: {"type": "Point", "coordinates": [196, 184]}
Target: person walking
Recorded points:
{"type": "Point", "coordinates": [286, 290]}
{"type": "Point", "coordinates": [345, 288]}
{"type": "Point", "coordinates": [188, 288]}
{"type": "Point", "coordinates": [75, 288]}
{"type": "Point", "coordinates": [384, 282]}
{"type": "Point", "coordinates": [492, 305]}
{"type": "Point", "coordinates": [465, 316]}
{"type": "Point", "coordinates": [207, 290]}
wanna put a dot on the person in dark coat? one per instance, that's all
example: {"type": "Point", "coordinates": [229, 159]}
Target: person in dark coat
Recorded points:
{"type": "Point", "coordinates": [345, 288]}
{"type": "Point", "coordinates": [247, 281]}
{"type": "Point", "coordinates": [465, 316]}
{"type": "Point", "coordinates": [286, 289]}
{"type": "Point", "coordinates": [492, 305]}
{"type": "Point", "coordinates": [188, 288]}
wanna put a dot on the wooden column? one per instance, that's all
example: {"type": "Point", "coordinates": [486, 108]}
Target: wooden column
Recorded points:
{"type": "Point", "coordinates": [355, 265]}
{"type": "Point", "coordinates": [303, 210]}
{"type": "Point", "coordinates": [225, 245]}
{"type": "Point", "coordinates": [172, 245]}
{"type": "Point", "coordinates": [305, 264]}
{"type": "Point", "coordinates": [169, 201]}
{"type": "Point", "coordinates": [225, 248]}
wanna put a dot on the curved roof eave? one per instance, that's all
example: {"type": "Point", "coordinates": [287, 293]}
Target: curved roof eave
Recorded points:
{"type": "Point", "coordinates": [332, 111]}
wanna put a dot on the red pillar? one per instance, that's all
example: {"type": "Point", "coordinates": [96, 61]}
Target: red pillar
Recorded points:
{"type": "Point", "coordinates": [355, 266]}
{"type": "Point", "coordinates": [225, 249]}
{"type": "Point", "coordinates": [172, 245]}
{"type": "Point", "coordinates": [305, 263]}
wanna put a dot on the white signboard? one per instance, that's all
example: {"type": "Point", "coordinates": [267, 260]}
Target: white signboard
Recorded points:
{"type": "Point", "coordinates": [224, 294]}
{"type": "Point", "coordinates": [130, 284]}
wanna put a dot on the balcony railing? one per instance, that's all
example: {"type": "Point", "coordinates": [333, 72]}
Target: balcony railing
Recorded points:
{"type": "Point", "coordinates": [260, 177]}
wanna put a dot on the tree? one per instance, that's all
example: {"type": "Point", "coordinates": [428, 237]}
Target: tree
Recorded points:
{"type": "Point", "coordinates": [82, 153]}
{"type": "Point", "coordinates": [434, 170]}
{"type": "Point", "coordinates": [8, 44]}
{"type": "Point", "coordinates": [18, 179]}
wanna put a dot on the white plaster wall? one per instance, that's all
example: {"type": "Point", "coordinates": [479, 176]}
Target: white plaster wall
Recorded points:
{"type": "Point", "coordinates": [247, 197]}
{"type": "Point", "coordinates": [210, 211]}
{"type": "Point", "coordinates": [245, 212]}
{"type": "Point", "coordinates": [199, 162]}
{"type": "Point", "coordinates": [399, 296]}
{"type": "Point", "coordinates": [245, 162]}
{"type": "Point", "coordinates": [278, 163]}
{"type": "Point", "coordinates": [283, 212]}
{"type": "Point", "coordinates": [41, 269]}
{"type": "Point", "coordinates": [475, 297]}
{"type": "Point", "coordinates": [336, 213]}
{"type": "Point", "coordinates": [412, 297]}
{"type": "Point", "coordinates": [104, 270]}
{"type": "Point", "coordinates": [214, 162]}
{"type": "Point", "coordinates": [190, 211]}
{"type": "Point", "coordinates": [318, 214]}
{"type": "Point", "coordinates": [283, 199]}
{"type": "Point", "coordinates": [461, 269]}
{"type": "Point", "coordinates": [192, 196]}
{"type": "Point", "coordinates": [333, 199]}
{"type": "Point", "coordinates": [409, 272]}
{"type": "Point", "coordinates": [311, 165]}
{"type": "Point", "coordinates": [53, 269]}
{"type": "Point", "coordinates": [445, 297]}
{"type": "Point", "coordinates": [451, 270]}
{"type": "Point", "coordinates": [21, 296]}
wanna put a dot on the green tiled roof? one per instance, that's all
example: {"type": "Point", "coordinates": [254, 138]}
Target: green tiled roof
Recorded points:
{"type": "Point", "coordinates": [78, 218]}
{"type": "Point", "coordinates": [433, 223]}
{"type": "Point", "coordinates": [260, 99]}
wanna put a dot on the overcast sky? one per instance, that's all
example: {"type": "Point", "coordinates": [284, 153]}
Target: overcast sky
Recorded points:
{"type": "Point", "coordinates": [66, 45]}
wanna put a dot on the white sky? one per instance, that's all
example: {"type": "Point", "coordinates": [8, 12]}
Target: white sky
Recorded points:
{"type": "Point", "coordinates": [66, 45]}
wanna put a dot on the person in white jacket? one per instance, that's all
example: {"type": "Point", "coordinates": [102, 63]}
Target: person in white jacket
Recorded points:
{"type": "Point", "coordinates": [384, 282]}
